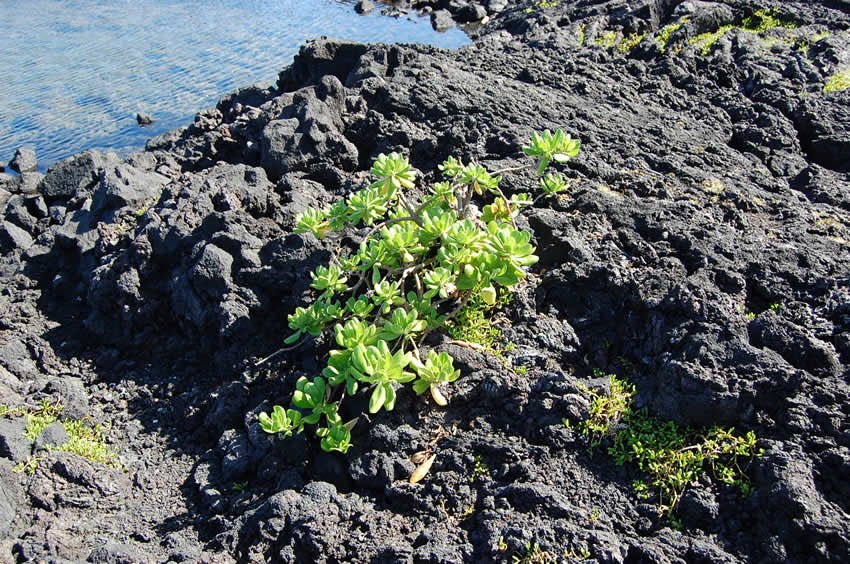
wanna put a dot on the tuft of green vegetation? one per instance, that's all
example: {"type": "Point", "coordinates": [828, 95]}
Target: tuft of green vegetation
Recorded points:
{"type": "Point", "coordinates": [668, 30]}
{"type": "Point", "coordinates": [40, 418]}
{"type": "Point", "coordinates": [480, 470]}
{"type": "Point", "coordinates": [630, 41]}
{"type": "Point", "coordinates": [671, 457]}
{"type": "Point", "coordinates": [533, 554]}
{"type": "Point", "coordinates": [543, 5]}
{"type": "Point", "coordinates": [89, 441]}
{"type": "Point", "coordinates": [838, 82]}
{"type": "Point", "coordinates": [820, 36]}
{"type": "Point", "coordinates": [84, 438]}
{"type": "Point", "coordinates": [607, 39]}
{"type": "Point", "coordinates": [606, 410]}
{"type": "Point", "coordinates": [472, 323]}
{"type": "Point", "coordinates": [421, 266]}
{"type": "Point", "coordinates": [581, 34]}
{"type": "Point", "coordinates": [28, 466]}
{"type": "Point", "coordinates": [805, 44]}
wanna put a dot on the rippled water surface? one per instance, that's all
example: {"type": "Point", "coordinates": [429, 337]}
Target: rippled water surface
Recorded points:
{"type": "Point", "coordinates": [76, 72]}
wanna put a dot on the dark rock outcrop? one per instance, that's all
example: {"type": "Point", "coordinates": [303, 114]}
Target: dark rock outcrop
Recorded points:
{"type": "Point", "coordinates": [700, 252]}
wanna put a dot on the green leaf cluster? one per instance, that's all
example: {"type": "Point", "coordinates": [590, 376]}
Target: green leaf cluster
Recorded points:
{"type": "Point", "coordinates": [419, 262]}
{"type": "Point", "coordinates": [671, 457]}
{"type": "Point", "coordinates": [547, 146]}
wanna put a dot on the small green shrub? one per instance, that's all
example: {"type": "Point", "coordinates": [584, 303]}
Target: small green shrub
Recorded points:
{"type": "Point", "coordinates": [671, 457]}
{"type": "Point", "coordinates": [473, 324]}
{"type": "Point", "coordinates": [40, 418]}
{"type": "Point", "coordinates": [607, 410]}
{"type": "Point", "coordinates": [421, 266]}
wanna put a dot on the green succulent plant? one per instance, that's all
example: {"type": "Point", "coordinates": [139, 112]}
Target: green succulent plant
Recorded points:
{"type": "Point", "coordinates": [418, 264]}
{"type": "Point", "coordinates": [437, 370]}
{"type": "Point", "coordinates": [547, 147]}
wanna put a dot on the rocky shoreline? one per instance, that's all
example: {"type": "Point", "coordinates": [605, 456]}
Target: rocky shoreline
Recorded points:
{"type": "Point", "coordinates": [701, 253]}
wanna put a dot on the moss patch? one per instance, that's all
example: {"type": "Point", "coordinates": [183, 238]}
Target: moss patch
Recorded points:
{"type": "Point", "coordinates": [85, 438]}
{"type": "Point", "coordinates": [705, 41]}
{"type": "Point", "coordinates": [838, 82]}
{"type": "Point", "coordinates": [759, 22]}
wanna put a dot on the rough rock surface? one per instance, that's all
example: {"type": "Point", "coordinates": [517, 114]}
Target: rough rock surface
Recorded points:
{"type": "Point", "coordinates": [24, 160]}
{"type": "Point", "coordinates": [702, 253]}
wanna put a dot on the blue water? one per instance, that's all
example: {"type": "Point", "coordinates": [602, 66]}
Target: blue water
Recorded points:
{"type": "Point", "coordinates": [76, 72]}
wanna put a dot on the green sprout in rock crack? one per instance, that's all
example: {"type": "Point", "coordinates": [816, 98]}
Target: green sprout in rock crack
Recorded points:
{"type": "Point", "coordinates": [533, 554]}
{"type": "Point", "coordinates": [543, 5]}
{"type": "Point", "coordinates": [480, 470]}
{"type": "Point", "coordinates": [28, 466]}
{"type": "Point", "coordinates": [671, 457]}
{"type": "Point", "coordinates": [420, 263]}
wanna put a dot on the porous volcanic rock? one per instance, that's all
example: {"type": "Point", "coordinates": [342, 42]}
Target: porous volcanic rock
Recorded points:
{"type": "Point", "coordinates": [701, 253]}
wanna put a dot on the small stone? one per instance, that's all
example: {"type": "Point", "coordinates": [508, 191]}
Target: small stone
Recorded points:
{"type": "Point", "coordinates": [441, 20]}
{"type": "Point", "coordinates": [115, 552]}
{"type": "Point", "coordinates": [53, 435]}
{"type": "Point", "coordinates": [29, 182]}
{"type": "Point", "coordinates": [9, 499]}
{"type": "Point", "coordinates": [13, 237]}
{"type": "Point", "coordinates": [471, 13]}
{"type": "Point", "coordinates": [13, 444]}
{"type": "Point", "coordinates": [24, 160]}
{"type": "Point", "coordinates": [143, 119]}
{"type": "Point", "coordinates": [211, 274]}
{"type": "Point", "coordinates": [364, 7]}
